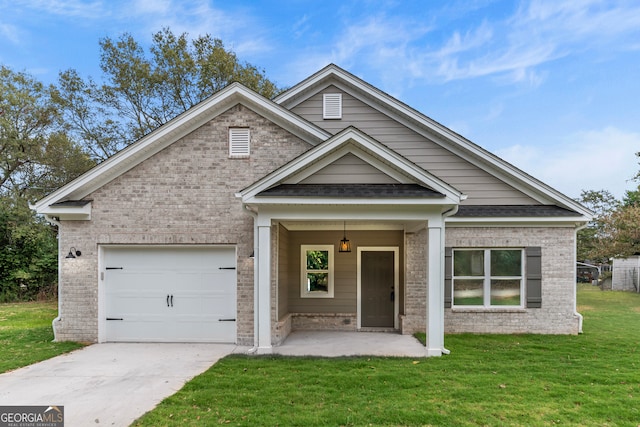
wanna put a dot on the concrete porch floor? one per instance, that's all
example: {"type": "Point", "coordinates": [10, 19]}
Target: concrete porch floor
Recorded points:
{"type": "Point", "coordinates": [338, 343]}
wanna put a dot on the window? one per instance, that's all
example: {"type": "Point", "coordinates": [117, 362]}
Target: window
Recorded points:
{"type": "Point", "coordinates": [239, 142]}
{"type": "Point", "coordinates": [488, 277]}
{"type": "Point", "coordinates": [317, 271]}
{"type": "Point", "coordinates": [332, 106]}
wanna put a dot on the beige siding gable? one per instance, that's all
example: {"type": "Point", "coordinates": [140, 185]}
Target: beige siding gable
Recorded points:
{"type": "Point", "coordinates": [481, 187]}
{"type": "Point", "coordinates": [349, 169]}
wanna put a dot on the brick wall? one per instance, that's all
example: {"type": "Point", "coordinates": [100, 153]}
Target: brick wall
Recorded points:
{"type": "Point", "coordinates": [184, 194]}
{"type": "Point", "coordinates": [558, 282]}
{"type": "Point", "coordinates": [415, 299]}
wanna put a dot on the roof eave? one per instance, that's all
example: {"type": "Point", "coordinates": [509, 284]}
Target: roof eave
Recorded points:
{"type": "Point", "coordinates": [177, 128]}
{"type": "Point", "coordinates": [464, 148]}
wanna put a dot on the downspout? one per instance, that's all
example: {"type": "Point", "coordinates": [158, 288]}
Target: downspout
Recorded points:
{"type": "Point", "coordinates": [256, 320]}
{"type": "Point", "coordinates": [58, 318]}
{"type": "Point", "coordinates": [445, 215]}
{"type": "Point", "coordinates": [575, 289]}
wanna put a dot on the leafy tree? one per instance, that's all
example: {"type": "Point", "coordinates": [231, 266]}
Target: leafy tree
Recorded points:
{"type": "Point", "coordinates": [623, 227]}
{"type": "Point", "coordinates": [143, 90]}
{"type": "Point", "coordinates": [28, 254]}
{"type": "Point", "coordinates": [35, 157]}
{"type": "Point", "coordinates": [593, 240]}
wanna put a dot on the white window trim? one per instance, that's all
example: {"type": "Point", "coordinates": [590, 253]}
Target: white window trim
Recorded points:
{"type": "Point", "coordinates": [332, 106]}
{"type": "Point", "coordinates": [486, 287]}
{"type": "Point", "coordinates": [239, 142]}
{"type": "Point", "coordinates": [304, 292]}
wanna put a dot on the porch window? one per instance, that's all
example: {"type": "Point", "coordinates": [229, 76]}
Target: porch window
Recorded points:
{"type": "Point", "coordinates": [488, 277]}
{"type": "Point", "coordinates": [317, 271]}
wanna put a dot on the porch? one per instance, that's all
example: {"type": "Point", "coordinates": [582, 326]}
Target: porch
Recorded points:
{"type": "Point", "coordinates": [390, 281]}
{"type": "Point", "coordinates": [345, 344]}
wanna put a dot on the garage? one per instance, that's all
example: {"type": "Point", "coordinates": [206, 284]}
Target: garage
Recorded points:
{"type": "Point", "coordinates": [169, 294]}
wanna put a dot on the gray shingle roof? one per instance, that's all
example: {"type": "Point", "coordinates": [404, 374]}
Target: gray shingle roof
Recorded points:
{"type": "Point", "coordinates": [351, 190]}
{"type": "Point", "coordinates": [72, 203]}
{"type": "Point", "coordinates": [513, 211]}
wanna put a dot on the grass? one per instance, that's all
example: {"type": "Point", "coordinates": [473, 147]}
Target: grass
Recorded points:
{"type": "Point", "coordinates": [26, 335]}
{"type": "Point", "coordinates": [588, 380]}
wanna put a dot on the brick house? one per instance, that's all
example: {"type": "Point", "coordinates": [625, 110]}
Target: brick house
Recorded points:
{"type": "Point", "coordinates": [333, 206]}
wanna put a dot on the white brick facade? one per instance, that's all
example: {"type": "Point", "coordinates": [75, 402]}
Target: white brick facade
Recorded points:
{"type": "Point", "coordinates": [184, 195]}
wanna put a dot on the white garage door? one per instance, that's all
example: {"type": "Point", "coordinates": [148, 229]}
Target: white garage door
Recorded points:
{"type": "Point", "coordinates": [170, 294]}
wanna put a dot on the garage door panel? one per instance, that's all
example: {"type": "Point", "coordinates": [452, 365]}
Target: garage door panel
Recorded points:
{"type": "Point", "coordinates": [204, 330]}
{"type": "Point", "coordinates": [174, 294]}
{"type": "Point", "coordinates": [138, 304]}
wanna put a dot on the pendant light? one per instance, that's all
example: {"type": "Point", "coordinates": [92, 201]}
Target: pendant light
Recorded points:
{"type": "Point", "coordinates": [345, 244]}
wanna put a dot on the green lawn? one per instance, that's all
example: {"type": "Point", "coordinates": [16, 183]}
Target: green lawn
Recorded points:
{"type": "Point", "coordinates": [588, 380]}
{"type": "Point", "coordinates": [26, 334]}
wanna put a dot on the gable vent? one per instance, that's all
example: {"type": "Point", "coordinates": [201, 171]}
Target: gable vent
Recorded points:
{"type": "Point", "coordinates": [239, 142]}
{"type": "Point", "coordinates": [332, 106]}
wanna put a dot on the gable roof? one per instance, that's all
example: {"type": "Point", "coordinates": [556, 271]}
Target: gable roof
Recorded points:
{"type": "Point", "coordinates": [172, 131]}
{"type": "Point", "coordinates": [332, 75]}
{"type": "Point", "coordinates": [413, 182]}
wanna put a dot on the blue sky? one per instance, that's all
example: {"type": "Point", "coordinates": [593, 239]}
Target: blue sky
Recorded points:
{"type": "Point", "coordinates": [550, 85]}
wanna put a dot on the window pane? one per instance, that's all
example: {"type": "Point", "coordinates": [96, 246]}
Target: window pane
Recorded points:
{"type": "Point", "coordinates": [468, 263]}
{"type": "Point", "coordinates": [505, 292]}
{"type": "Point", "coordinates": [317, 260]}
{"type": "Point", "coordinates": [506, 263]}
{"type": "Point", "coordinates": [468, 292]}
{"type": "Point", "coordinates": [317, 282]}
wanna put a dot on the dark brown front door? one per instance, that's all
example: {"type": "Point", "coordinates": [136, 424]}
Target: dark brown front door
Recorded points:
{"type": "Point", "coordinates": [377, 288]}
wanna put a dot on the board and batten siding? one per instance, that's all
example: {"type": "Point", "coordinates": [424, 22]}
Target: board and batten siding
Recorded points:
{"type": "Point", "coordinates": [345, 268]}
{"type": "Point", "coordinates": [481, 187]}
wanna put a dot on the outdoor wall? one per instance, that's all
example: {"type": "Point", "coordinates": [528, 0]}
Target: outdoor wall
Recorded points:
{"type": "Point", "coordinates": [345, 269]}
{"type": "Point", "coordinates": [414, 318]}
{"type": "Point", "coordinates": [183, 195]}
{"type": "Point", "coordinates": [556, 316]}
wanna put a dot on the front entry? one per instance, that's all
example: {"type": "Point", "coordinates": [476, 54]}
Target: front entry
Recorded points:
{"type": "Point", "coordinates": [378, 287]}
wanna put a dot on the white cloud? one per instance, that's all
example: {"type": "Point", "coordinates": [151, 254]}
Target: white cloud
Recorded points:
{"type": "Point", "coordinates": [539, 32]}
{"type": "Point", "coordinates": [68, 8]}
{"type": "Point", "coordinates": [10, 33]}
{"type": "Point", "coordinates": [589, 160]}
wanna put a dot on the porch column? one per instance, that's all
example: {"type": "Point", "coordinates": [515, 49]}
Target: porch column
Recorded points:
{"type": "Point", "coordinates": [435, 287]}
{"type": "Point", "coordinates": [263, 294]}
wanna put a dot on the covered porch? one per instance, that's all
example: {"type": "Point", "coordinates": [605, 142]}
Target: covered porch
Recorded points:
{"type": "Point", "coordinates": [391, 280]}
{"type": "Point", "coordinates": [350, 186]}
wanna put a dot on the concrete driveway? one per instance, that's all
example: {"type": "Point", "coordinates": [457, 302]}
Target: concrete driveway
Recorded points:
{"type": "Point", "coordinates": [110, 384]}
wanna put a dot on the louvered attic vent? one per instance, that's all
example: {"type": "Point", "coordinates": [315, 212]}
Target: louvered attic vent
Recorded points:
{"type": "Point", "coordinates": [332, 106]}
{"type": "Point", "coordinates": [239, 142]}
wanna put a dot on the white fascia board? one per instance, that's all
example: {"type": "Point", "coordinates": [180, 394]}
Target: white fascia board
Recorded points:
{"type": "Point", "coordinates": [74, 213]}
{"type": "Point", "coordinates": [420, 123]}
{"type": "Point", "coordinates": [335, 201]}
{"type": "Point", "coordinates": [576, 221]}
{"type": "Point", "coordinates": [177, 128]}
{"type": "Point", "coordinates": [388, 212]}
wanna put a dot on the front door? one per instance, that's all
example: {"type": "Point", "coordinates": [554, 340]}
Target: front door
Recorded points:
{"type": "Point", "coordinates": [377, 288]}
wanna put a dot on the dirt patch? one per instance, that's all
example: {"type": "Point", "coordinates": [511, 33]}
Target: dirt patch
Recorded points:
{"type": "Point", "coordinates": [582, 308]}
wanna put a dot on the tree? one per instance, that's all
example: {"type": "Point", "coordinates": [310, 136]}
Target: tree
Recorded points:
{"type": "Point", "coordinates": [35, 156]}
{"type": "Point", "coordinates": [623, 226]}
{"type": "Point", "coordinates": [615, 229]}
{"type": "Point", "coordinates": [593, 240]}
{"type": "Point", "coordinates": [28, 254]}
{"type": "Point", "coordinates": [143, 90]}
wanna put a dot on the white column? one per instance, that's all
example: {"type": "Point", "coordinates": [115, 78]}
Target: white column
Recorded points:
{"type": "Point", "coordinates": [264, 290]}
{"type": "Point", "coordinates": [435, 288]}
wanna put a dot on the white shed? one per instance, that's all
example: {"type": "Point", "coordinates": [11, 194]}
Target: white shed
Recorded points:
{"type": "Point", "coordinates": [626, 274]}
